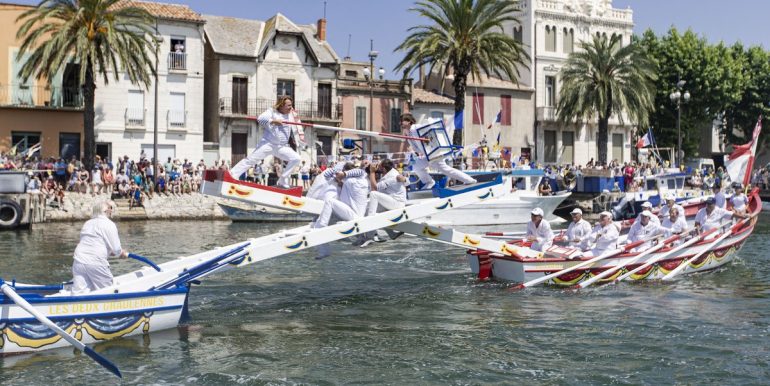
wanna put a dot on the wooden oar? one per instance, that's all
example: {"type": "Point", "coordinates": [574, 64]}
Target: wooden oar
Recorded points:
{"type": "Point", "coordinates": [358, 132]}
{"type": "Point", "coordinates": [144, 260]}
{"type": "Point", "coordinates": [664, 254]}
{"type": "Point", "coordinates": [682, 266]}
{"type": "Point", "coordinates": [8, 291]}
{"type": "Point", "coordinates": [634, 259]}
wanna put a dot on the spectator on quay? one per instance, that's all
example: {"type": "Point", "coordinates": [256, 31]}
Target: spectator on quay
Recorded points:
{"type": "Point", "coordinates": [187, 166]}
{"type": "Point", "coordinates": [173, 178]}
{"type": "Point", "coordinates": [109, 180]}
{"type": "Point", "coordinates": [60, 171]}
{"type": "Point", "coordinates": [277, 167]}
{"type": "Point", "coordinates": [162, 178]}
{"type": "Point", "coordinates": [123, 188]}
{"type": "Point", "coordinates": [96, 181]}
{"type": "Point", "coordinates": [83, 177]}
{"type": "Point", "coordinates": [295, 177]}
{"type": "Point", "coordinates": [168, 165]}
{"type": "Point", "coordinates": [201, 167]}
{"type": "Point", "coordinates": [73, 182]}
{"type": "Point", "coordinates": [304, 172]}
{"type": "Point", "coordinates": [135, 195]}
{"type": "Point", "coordinates": [149, 170]}
{"type": "Point", "coordinates": [58, 195]}
{"type": "Point", "coordinates": [34, 185]}
{"type": "Point", "coordinates": [147, 187]}
{"type": "Point", "coordinates": [186, 184]}
{"type": "Point", "coordinates": [250, 174]}
{"type": "Point", "coordinates": [196, 181]}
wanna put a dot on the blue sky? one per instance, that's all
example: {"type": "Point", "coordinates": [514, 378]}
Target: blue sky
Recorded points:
{"type": "Point", "coordinates": [387, 21]}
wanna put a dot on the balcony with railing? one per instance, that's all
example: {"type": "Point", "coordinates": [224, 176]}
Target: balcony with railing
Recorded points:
{"type": "Point", "coordinates": [305, 110]}
{"type": "Point", "coordinates": [135, 118]}
{"type": "Point", "coordinates": [548, 114]}
{"type": "Point", "coordinates": [18, 95]}
{"type": "Point", "coordinates": [177, 61]}
{"type": "Point", "coordinates": [176, 120]}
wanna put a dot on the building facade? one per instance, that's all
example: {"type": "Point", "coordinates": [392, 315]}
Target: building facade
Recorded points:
{"type": "Point", "coordinates": [48, 112]}
{"type": "Point", "coordinates": [372, 103]}
{"type": "Point", "coordinates": [250, 64]}
{"type": "Point", "coordinates": [126, 114]}
{"type": "Point", "coordinates": [550, 31]}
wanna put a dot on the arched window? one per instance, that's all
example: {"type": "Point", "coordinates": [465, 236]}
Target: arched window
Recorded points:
{"type": "Point", "coordinates": [569, 40]}
{"type": "Point", "coordinates": [550, 39]}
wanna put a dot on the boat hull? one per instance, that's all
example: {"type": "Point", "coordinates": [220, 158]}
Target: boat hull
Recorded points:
{"type": "Point", "coordinates": [506, 210]}
{"type": "Point", "coordinates": [264, 214]}
{"type": "Point", "coordinates": [516, 269]}
{"type": "Point", "coordinates": [89, 318]}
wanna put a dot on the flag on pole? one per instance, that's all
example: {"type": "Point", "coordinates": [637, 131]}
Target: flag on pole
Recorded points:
{"type": "Point", "coordinates": [459, 120]}
{"type": "Point", "coordinates": [497, 119]}
{"type": "Point", "coordinates": [740, 162]}
{"type": "Point", "coordinates": [31, 150]}
{"type": "Point", "coordinates": [645, 141]}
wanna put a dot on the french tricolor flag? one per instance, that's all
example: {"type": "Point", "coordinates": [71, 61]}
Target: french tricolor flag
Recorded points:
{"type": "Point", "coordinates": [645, 141]}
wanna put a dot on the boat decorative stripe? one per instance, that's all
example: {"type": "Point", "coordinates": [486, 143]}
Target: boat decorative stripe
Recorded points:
{"type": "Point", "coordinates": [486, 195]}
{"type": "Point", "coordinates": [403, 215]}
{"type": "Point", "coordinates": [447, 204]}
{"type": "Point", "coordinates": [427, 231]}
{"type": "Point", "coordinates": [293, 202]}
{"type": "Point", "coordinates": [239, 191]}
{"type": "Point", "coordinates": [297, 245]}
{"type": "Point", "coordinates": [36, 335]}
{"type": "Point", "coordinates": [468, 240]}
{"type": "Point", "coordinates": [570, 278]}
{"type": "Point", "coordinates": [353, 229]}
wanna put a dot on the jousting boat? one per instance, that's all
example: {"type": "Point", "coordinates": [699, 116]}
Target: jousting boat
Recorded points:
{"type": "Point", "coordinates": [667, 258]}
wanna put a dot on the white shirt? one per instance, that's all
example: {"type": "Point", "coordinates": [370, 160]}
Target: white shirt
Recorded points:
{"type": "Point", "coordinates": [355, 191]}
{"type": "Point", "coordinates": [98, 241]}
{"type": "Point", "coordinates": [711, 221]}
{"type": "Point", "coordinates": [677, 226]}
{"type": "Point", "coordinates": [643, 232]}
{"type": "Point", "coordinates": [579, 230]}
{"type": "Point", "coordinates": [606, 238]}
{"type": "Point", "coordinates": [390, 185]}
{"type": "Point", "coordinates": [542, 233]}
{"type": "Point", "coordinates": [721, 201]}
{"type": "Point", "coordinates": [275, 134]}
{"type": "Point", "coordinates": [739, 201]}
{"type": "Point", "coordinates": [415, 144]}
{"type": "Point", "coordinates": [654, 219]}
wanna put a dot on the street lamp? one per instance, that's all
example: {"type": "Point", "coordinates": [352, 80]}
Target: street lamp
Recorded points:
{"type": "Point", "coordinates": [369, 75]}
{"type": "Point", "coordinates": [677, 96]}
{"type": "Point", "coordinates": [155, 159]}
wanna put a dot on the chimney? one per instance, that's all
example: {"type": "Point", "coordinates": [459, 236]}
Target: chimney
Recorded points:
{"type": "Point", "coordinates": [321, 33]}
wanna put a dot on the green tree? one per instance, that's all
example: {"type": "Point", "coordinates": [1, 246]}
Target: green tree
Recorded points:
{"type": "Point", "coordinates": [604, 78]}
{"type": "Point", "coordinates": [466, 39]}
{"type": "Point", "coordinates": [102, 36]}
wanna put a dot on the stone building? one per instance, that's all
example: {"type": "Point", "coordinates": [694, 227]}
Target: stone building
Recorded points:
{"type": "Point", "coordinates": [249, 64]}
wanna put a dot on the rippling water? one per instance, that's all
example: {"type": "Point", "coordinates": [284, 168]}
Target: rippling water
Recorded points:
{"type": "Point", "coordinates": [408, 312]}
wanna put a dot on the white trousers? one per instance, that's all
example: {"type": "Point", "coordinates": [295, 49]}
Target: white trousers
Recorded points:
{"type": "Point", "coordinates": [332, 206]}
{"type": "Point", "coordinates": [377, 198]}
{"type": "Point", "coordinates": [264, 149]}
{"type": "Point", "coordinates": [421, 169]}
{"type": "Point", "coordinates": [87, 278]}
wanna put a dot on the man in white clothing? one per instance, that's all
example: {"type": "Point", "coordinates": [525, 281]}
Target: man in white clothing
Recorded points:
{"type": "Point", "coordinates": [711, 216]}
{"type": "Point", "coordinates": [739, 199]}
{"type": "Point", "coordinates": [578, 231]}
{"type": "Point", "coordinates": [605, 234]}
{"type": "Point", "coordinates": [98, 241]}
{"type": "Point", "coordinates": [389, 193]}
{"type": "Point", "coordinates": [670, 199]}
{"type": "Point", "coordinates": [719, 196]}
{"type": "Point", "coordinates": [275, 141]}
{"type": "Point", "coordinates": [675, 223]}
{"type": "Point", "coordinates": [648, 207]}
{"type": "Point", "coordinates": [539, 231]}
{"type": "Point", "coordinates": [422, 163]}
{"type": "Point", "coordinates": [644, 230]}
{"type": "Point", "coordinates": [350, 204]}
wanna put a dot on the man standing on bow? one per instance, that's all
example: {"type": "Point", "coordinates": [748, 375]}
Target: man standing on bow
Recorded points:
{"type": "Point", "coordinates": [275, 141]}
{"type": "Point", "coordinates": [98, 241]}
{"type": "Point", "coordinates": [422, 163]}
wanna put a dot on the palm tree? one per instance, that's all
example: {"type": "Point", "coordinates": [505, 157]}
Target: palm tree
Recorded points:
{"type": "Point", "coordinates": [604, 78]}
{"type": "Point", "coordinates": [102, 36]}
{"type": "Point", "coordinates": [465, 39]}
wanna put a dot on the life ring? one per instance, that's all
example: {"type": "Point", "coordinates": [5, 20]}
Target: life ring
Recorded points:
{"type": "Point", "coordinates": [10, 214]}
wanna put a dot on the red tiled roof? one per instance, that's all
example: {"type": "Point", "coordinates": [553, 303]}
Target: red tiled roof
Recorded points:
{"type": "Point", "coordinates": [425, 96]}
{"type": "Point", "coordinates": [167, 11]}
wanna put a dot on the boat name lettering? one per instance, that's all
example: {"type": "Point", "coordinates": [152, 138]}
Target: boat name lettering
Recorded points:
{"type": "Point", "coordinates": [117, 305]}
